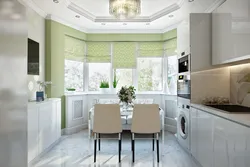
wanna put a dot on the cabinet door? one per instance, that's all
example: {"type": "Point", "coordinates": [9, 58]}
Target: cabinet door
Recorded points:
{"type": "Point", "coordinates": [183, 40]}
{"type": "Point", "coordinates": [53, 130]}
{"type": "Point", "coordinates": [32, 132]}
{"type": "Point", "coordinates": [231, 32]}
{"type": "Point", "coordinates": [45, 124]}
{"type": "Point", "coordinates": [59, 111]}
{"type": "Point", "coordinates": [205, 138]}
{"type": "Point", "coordinates": [194, 132]}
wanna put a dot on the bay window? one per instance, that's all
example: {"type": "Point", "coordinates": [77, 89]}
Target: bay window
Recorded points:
{"type": "Point", "coordinates": [124, 77]}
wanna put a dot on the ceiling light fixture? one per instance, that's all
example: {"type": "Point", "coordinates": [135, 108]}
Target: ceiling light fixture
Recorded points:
{"type": "Point", "coordinates": [124, 24]}
{"type": "Point", "coordinates": [77, 16]}
{"type": "Point", "coordinates": [125, 9]}
{"type": "Point", "coordinates": [147, 24]}
{"type": "Point", "coordinates": [103, 24]}
{"type": "Point", "coordinates": [56, 1]}
{"type": "Point", "coordinates": [170, 16]}
{"type": "Point", "coordinates": [190, 0]}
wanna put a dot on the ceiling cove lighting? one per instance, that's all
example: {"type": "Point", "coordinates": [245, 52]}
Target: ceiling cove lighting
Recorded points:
{"type": "Point", "coordinates": [125, 9]}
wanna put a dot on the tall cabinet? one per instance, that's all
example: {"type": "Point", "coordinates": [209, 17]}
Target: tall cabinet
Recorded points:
{"type": "Point", "coordinates": [44, 126]}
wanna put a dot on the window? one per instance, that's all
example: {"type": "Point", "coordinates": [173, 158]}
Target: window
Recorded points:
{"type": "Point", "coordinates": [124, 77]}
{"type": "Point", "coordinates": [149, 74]}
{"type": "Point", "coordinates": [98, 72]}
{"type": "Point", "coordinates": [73, 76]}
{"type": "Point", "coordinates": [172, 71]}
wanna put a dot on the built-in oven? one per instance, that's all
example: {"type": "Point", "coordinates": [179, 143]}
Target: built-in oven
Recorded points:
{"type": "Point", "coordinates": [184, 63]}
{"type": "Point", "coordinates": [184, 86]}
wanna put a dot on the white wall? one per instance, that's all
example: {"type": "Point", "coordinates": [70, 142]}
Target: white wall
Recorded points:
{"type": "Point", "coordinates": [36, 32]}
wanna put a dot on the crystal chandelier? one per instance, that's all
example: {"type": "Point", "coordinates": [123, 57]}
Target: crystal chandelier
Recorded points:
{"type": "Point", "coordinates": [124, 9]}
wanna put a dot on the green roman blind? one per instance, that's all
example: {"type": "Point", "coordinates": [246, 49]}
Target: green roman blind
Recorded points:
{"type": "Point", "coordinates": [124, 55]}
{"type": "Point", "coordinates": [98, 52]}
{"type": "Point", "coordinates": [171, 47]}
{"type": "Point", "coordinates": [151, 49]}
{"type": "Point", "coordinates": [74, 49]}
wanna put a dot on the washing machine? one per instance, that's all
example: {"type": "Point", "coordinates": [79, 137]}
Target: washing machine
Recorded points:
{"type": "Point", "coordinates": [183, 122]}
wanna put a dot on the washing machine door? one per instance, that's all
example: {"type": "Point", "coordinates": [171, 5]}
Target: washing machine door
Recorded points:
{"type": "Point", "coordinates": [183, 125]}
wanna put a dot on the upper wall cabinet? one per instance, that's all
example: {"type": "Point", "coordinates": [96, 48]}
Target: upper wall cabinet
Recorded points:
{"type": "Point", "coordinates": [183, 35]}
{"type": "Point", "coordinates": [201, 41]}
{"type": "Point", "coordinates": [231, 32]}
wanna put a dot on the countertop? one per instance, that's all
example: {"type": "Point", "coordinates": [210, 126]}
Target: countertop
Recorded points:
{"type": "Point", "coordinates": [240, 118]}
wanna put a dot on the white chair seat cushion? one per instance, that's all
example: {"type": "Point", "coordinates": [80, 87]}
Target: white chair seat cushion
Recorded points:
{"type": "Point", "coordinates": [124, 120]}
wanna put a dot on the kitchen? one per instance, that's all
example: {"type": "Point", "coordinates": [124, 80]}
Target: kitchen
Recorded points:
{"type": "Point", "coordinates": [214, 123]}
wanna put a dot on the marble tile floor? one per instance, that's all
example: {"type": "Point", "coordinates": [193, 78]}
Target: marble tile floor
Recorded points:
{"type": "Point", "coordinates": [77, 151]}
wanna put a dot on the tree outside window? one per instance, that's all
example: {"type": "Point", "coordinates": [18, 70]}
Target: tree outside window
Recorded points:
{"type": "Point", "coordinates": [73, 75]}
{"type": "Point", "coordinates": [124, 77]}
{"type": "Point", "coordinates": [149, 74]}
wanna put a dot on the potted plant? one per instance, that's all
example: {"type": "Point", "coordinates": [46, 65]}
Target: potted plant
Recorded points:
{"type": "Point", "coordinates": [104, 86]}
{"type": "Point", "coordinates": [126, 96]}
{"type": "Point", "coordinates": [115, 82]}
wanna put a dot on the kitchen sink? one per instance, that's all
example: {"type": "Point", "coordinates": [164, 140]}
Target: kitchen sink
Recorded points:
{"type": "Point", "coordinates": [232, 108]}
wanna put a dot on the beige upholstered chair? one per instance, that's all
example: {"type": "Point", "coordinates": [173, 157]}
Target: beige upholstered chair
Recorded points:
{"type": "Point", "coordinates": [107, 120]}
{"type": "Point", "coordinates": [146, 120]}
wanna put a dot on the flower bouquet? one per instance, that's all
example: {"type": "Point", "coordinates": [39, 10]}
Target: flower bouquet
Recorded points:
{"type": "Point", "coordinates": [126, 95]}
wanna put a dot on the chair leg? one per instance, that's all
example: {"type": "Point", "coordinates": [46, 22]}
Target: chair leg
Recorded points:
{"type": "Point", "coordinates": [95, 142]}
{"type": "Point", "coordinates": [153, 142]}
{"type": "Point", "coordinates": [157, 144]}
{"type": "Point", "coordinates": [121, 141]}
{"type": "Point", "coordinates": [131, 142]}
{"type": "Point", "coordinates": [99, 141]}
{"type": "Point", "coordinates": [119, 147]}
{"type": "Point", "coordinates": [133, 148]}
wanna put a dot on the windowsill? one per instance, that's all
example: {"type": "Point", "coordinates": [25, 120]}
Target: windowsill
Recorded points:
{"type": "Point", "coordinates": [100, 93]}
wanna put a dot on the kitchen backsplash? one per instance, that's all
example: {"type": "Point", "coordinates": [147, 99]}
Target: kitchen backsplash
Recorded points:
{"type": "Point", "coordinates": [240, 84]}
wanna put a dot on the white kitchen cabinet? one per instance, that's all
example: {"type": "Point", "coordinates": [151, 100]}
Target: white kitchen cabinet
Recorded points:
{"type": "Point", "coordinates": [44, 126]}
{"type": "Point", "coordinates": [231, 32]}
{"type": "Point", "coordinates": [183, 37]}
{"type": "Point", "coordinates": [194, 132]}
{"type": "Point", "coordinates": [32, 132]}
{"type": "Point", "coordinates": [201, 41]}
{"type": "Point", "coordinates": [218, 142]}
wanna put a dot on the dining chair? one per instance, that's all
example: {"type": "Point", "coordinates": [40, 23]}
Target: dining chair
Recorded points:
{"type": "Point", "coordinates": [146, 120]}
{"type": "Point", "coordinates": [107, 120]}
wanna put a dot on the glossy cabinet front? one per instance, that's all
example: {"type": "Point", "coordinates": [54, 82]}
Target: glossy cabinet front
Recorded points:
{"type": "Point", "coordinates": [217, 142]}
{"type": "Point", "coordinates": [231, 32]}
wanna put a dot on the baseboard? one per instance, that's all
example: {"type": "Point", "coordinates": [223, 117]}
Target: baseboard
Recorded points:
{"type": "Point", "coordinates": [35, 160]}
{"type": "Point", "coordinates": [170, 128]}
{"type": "Point", "coordinates": [76, 129]}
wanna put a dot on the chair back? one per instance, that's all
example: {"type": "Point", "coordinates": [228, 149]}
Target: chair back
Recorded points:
{"type": "Point", "coordinates": [146, 119]}
{"type": "Point", "coordinates": [107, 119]}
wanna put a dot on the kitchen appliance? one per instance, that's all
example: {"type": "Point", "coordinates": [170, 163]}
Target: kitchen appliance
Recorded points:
{"type": "Point", "coordinates": [184, 63]}
{"type": "Point", "coordinates": [184, 86]}
{"type": "Point", "coordinates": [183, 122]}
{"type": "Point", "coordinates": [231, 108]}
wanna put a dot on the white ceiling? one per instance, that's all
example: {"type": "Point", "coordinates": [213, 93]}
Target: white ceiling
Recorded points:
{"type": "Point", "coordinates": [95, 18]}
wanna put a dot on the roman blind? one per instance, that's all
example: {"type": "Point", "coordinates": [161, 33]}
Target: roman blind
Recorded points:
{"type": "Point", "coordinates": [98, 52]}
{"type": "Point", "coordinates": [124, 55]}
{"type": "Point", "coordinates": [171, 47]}
{"type": "Point", "coordinates": [74, 49]}
{"type": "Point", "coordinates": [151, 49]}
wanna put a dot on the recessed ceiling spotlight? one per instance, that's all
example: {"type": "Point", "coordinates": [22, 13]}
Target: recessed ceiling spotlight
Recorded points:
{"type": "Point", "coordinates": [190, 0]}
{"type": "Point", "coordinates": [103, 24]}
{"type": "Point", "coordinates": [77, 16]}
{"type": "Point", "coordinates": [56, 1]}
{"type": "Point", "coordinates": [170, 16]}
{"type": "Point", "coordinates": [147, 24]}
{"type": "Point", "coordinates": [124, 24]}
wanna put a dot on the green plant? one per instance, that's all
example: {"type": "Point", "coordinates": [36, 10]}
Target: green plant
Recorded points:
{"type": "Point", "coordinates": [70, 89]}
{"type": "Point", "coordinates": [104, 84]}
{"type": "Point", "coordinates": [115, 82]}
{"type": "Point", "coordinates": [127, 94]}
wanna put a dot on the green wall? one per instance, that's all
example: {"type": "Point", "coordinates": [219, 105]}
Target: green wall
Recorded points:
{"type": "Point", "coordinates": [54, 62]}
{"type": "Point", "coordinates": [54, 70]}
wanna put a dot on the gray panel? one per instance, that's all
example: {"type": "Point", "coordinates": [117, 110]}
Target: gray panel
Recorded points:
{"type": "Point", "coordinates": [170, 108]}
{"type": "Point", "coordinates": [13, 84]}
{"type": "Point", "coordinates": [78, 109]}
